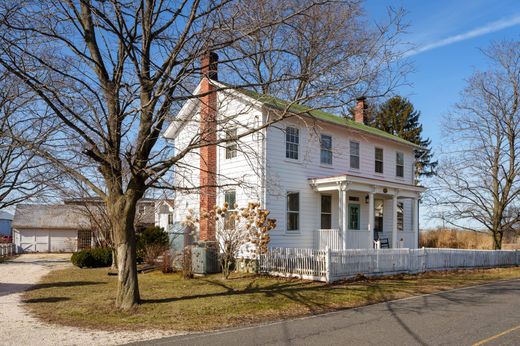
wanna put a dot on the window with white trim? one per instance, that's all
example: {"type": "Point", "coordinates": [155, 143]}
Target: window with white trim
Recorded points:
{"type": "Point", "coordinates": [326, 212]}
{"type": "Point", "coordinates": [378, 153]}
{"type": "Point", "coordinates": [292, 142]}
{"type": "Point", "coordinates": [400, 216]}
{"type": "Point", "coordinates": [399, 164]}
{"type": "Point", "coordinates": [230, 199]}
{"type": "Point", "coordinates": [326, 149]}
{"type": "Point", "coordinates": [231, 144]}
{"type": "Point", "coordinates": [354, 155]}
{"type": "Point", "coordinates": [293, 211]}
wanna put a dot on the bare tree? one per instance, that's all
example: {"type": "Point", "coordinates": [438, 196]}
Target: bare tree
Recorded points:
{"type": "Point", "coordinates": [479, 182]}
{"type": "Point", "coordinates": [112, 73]}
{"type": "Point", "coordinates": [22, 174]}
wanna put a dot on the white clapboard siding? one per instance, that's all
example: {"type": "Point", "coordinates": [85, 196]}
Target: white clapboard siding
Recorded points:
{"type": "Point", "coordinates": [285, 175]}
{"type": "Point", "coordinates": [333, 265]}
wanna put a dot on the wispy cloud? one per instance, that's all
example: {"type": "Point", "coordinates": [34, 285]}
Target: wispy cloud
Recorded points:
{"type": "Point", "coordinates": [483, 30]}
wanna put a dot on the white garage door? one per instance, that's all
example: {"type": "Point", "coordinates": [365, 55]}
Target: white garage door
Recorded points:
{"type": "Point", "coordinates": [46, 241]}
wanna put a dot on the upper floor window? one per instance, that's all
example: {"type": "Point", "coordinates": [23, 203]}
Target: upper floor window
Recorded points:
{"type": "Point", "coordinates": [399, 164]}
{"type": "Point", "coordinates": [231, 145]}
{"type": "Point", "coordinates": [326, 149]}
{"type": "Point", "coordinates": [354, 155]}
{"type": "Point", "coordinates": [293, 211]}
{"type": "Point", "coordinates": [400, 216]}
{"type": "Point", "coordinates": [292, 141]}
{"type": "Point", "coordinates": [379, 160]}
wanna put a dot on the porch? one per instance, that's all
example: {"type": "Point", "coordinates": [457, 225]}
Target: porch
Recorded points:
{"type": "Point", "coordinates": [356, 211]}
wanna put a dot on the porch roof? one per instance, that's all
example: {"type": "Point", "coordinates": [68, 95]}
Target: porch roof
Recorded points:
{"type": "Point", "coordinates": [365, 184]}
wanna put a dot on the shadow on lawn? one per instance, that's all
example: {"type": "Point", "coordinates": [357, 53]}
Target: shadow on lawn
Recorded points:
{"type": "Point", "coordinates": [295, 291]}
{"type": "Point", "coordinates": [9, 288]}
{"type": "Point", "coordinates": [45, 300]}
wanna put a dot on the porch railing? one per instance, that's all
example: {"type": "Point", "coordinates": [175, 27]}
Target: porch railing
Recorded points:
{"type": "Point", "coordinates": [331, 238]}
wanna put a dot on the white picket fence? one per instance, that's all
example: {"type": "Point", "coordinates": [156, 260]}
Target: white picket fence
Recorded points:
{"type": "Point", "coordinates": [7, 249]}
{"type": "Point", "coordinates": [331, 265]}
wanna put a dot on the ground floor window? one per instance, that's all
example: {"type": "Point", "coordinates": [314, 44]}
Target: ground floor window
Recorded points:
{"type": "Point", "coordinates": [353, 216]}
{"type": "Point", "coordinates": [326, 212]}
{"type": "Point", "coordinates": [378, 215]}
{"type": "Point", "coordinates": [293, 211]}
{"type": "Point", "coordinates": [230, 199]}
{"type": "Point", "coordinates": [400, 216]}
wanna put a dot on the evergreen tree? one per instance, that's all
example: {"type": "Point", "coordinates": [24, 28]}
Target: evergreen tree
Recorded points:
{"type": "Point", "coordinates": [398, 117]}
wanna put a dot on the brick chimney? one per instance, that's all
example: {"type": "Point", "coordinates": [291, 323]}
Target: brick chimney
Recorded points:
{"type": "Point", "coordinates": [359, 110]}
{"type": "Point", "coordinates": [208, 154]}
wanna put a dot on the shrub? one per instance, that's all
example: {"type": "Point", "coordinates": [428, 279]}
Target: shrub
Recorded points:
{"type": "Point", "coordinates": [151, 243]}
{"type": "Point", "coordinates": [92, 258]}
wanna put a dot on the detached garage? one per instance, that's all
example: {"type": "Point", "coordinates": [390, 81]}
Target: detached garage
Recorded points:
{"type": "Point", "coordinates": [49, 228]}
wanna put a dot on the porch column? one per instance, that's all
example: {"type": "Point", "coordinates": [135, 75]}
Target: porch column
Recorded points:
{"type": "Point", "coordinates": [344, 215]}
{"type": "Point", "coordinates": [371, 220]}
{"type": "Point", "coordinates": [395, 245]}
{"type": "Point", "coordinates": [340, 209]}
{"type": "Point", "coordinates": [415, 221]}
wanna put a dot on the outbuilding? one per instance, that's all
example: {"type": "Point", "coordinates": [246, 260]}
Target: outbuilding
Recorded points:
{"type": "Point", "coordinates": [49, 228]}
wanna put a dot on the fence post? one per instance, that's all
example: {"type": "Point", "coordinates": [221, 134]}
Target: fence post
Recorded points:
{"type": "Point", "coordinates": [327, 264]}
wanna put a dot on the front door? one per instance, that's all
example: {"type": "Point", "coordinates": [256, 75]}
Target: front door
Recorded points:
{"type": "Point", "coordinates": [353, 216]}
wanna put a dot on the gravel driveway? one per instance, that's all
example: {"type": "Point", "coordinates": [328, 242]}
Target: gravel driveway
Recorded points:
{"type": "Point", "coordinates": [18, 327]}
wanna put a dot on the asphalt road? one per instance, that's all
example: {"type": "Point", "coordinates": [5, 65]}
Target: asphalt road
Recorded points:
{"type": "Point", "coordinates": [482, 315]}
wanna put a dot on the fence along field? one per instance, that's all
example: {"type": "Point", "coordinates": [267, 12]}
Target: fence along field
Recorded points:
{"type": "Point", "coordinates": [330, 266]}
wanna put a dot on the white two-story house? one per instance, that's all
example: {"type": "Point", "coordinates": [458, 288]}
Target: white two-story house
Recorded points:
{"type": "Point", "coordinates": [327, 180]}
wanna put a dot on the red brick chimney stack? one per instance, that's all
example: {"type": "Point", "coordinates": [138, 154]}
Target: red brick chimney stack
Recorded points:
{"type": "Point", "coordinates": [208, 154]}
{"type": "Point", "coordinates": [359, 110]}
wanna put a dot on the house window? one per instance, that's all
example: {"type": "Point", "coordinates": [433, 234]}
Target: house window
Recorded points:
{"type": "Point", "coordinates": [399, 164]}
{"type": "Point", "coordinates": [293, 211]}
{"type": "Point", "coordinates": [354, 155]}
{"type": "Point", "coordinates": [326, 150]}
{"type": "Point", "coordinates": [378, 215]}
{"type": "Point", "coordinates": [170, 219]}
{"type": "Point", "coordinates": [326, 212]}
{"type": "Point", "coordinates": [353, 216]}
{"type": "Point", "coordinates": [230, 198]}
{"type": "Point", "coordinates": [400, 216]}
{"type": "Point", "coordinates": [379, 160]}
{"type": "Point", "coordinates": [292, 140]}
{"type": "Point", "coordinates": [231, 145]}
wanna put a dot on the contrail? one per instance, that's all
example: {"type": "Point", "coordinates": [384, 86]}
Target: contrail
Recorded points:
{"type": "Point", "coordinates": [486, 29]}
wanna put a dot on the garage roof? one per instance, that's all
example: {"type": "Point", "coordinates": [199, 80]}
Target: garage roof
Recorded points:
{"type": "Point", "coordinates": [44, 216]}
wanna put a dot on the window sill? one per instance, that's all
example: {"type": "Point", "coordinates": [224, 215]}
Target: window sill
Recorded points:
{"type": "Point", "coordinates": [326, 165]}
{"type": "Point", "coordinates": [298, 162]}
{"type": "Point", "coordinates": [292, 233]}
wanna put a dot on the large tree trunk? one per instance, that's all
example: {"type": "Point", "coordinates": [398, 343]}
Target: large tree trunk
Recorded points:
{"type": "Point", "coordinates": [114, 259]}
{"type": "Point", "coordinates": [497, 239]}
{"type": "Point", "coordinates": [122, 215]}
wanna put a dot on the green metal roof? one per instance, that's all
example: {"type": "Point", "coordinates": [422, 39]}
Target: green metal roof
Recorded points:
{"type": "Point", "coordinates": [296, 108]}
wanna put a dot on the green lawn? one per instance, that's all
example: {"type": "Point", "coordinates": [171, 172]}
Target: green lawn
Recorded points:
{"type": "Point", "coordinates": [85, 297]}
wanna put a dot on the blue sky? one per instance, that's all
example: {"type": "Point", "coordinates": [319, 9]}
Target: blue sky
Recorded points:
{"type": "Point", "coordinates": [449, 33]}
{"type": "Point", "coordinates": [454, 31]}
